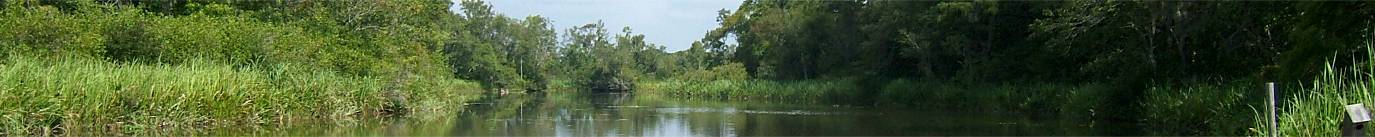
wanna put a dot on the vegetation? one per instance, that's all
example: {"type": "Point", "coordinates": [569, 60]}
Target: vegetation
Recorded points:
{"type": "Point", "coordinates": [90, 67]}
{"type": "Point", "coordinates": [1226, 108]}
{"type": "Point", "coordinates": [1174, 67]}
{"type": "Point", "coordinates": [1317, 109]}
{"type": "Point", "coordinates": [91, 96]}
{"type": "Point", "coordinates": [753, 89]}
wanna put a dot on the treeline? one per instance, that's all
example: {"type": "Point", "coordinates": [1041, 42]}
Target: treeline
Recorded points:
{"type": "Point", "coordinates": [509, 53]}
{"type": "Point", "coordinates": [1001, 41]}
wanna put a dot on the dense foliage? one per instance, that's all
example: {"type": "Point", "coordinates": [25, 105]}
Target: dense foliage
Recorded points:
{"type": "Point", "coordinates": [1124, 61]}
{"type": "Point", "coordinates": [1000, 41]}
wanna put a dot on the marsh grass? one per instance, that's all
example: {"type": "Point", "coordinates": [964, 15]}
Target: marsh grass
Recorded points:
{"type": "Point", "coordinates": [90, 96]}
{"type": "Point", "coordinates": [1317, 110]}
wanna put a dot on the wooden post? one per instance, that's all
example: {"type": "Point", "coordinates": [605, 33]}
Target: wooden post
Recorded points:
{"type": "Point", "coordinates": [1274, 117]}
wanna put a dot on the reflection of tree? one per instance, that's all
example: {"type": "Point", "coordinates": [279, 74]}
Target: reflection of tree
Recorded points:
{"type": "Point", "coordinates": [503, 115]}
{"type": "Point", "coordinates": [557, 114]}
{"type": "Point", "coordinates": [578, 114]}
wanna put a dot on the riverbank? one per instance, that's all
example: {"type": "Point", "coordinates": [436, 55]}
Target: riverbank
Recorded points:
{"type": "Point", "coordinates": [811, 90]}
{"type": "Point", "coordinates": [89, 96]}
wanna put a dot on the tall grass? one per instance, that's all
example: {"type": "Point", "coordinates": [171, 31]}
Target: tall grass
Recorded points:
{"type": "Point", "coordinates": [74, 95]}
{"type": "Point", "coordinates": [1317, 110]}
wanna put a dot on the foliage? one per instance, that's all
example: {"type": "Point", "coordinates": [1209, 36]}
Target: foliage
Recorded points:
{"type": "Point", "coordinates": [732, 72]}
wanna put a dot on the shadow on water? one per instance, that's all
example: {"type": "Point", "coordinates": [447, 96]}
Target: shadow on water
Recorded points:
{"type": "Point", "coordinates": [613, 114]}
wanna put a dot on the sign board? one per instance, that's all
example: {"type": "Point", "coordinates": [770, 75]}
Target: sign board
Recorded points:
{"type": "Point", "coordinates": [1357, 113]}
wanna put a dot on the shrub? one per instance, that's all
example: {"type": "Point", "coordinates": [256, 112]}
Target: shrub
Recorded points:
{"type": "Point", "coordinates": [47, 32]}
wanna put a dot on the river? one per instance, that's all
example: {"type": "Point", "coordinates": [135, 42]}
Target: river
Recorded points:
{"type": "Point", "coordinates": [569, 114]}
{"type": "Point", "coordinates": [630, 115]}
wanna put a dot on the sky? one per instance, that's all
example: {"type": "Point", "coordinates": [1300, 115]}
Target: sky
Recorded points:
{"type": "Point", "coordinates": [674, 24]}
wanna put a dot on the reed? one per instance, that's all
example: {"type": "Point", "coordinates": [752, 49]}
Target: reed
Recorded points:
{"type": "Point", "coordinates": [77, 95]}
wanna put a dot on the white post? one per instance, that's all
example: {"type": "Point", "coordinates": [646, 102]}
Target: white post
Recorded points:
{"type": "Point", "coordinates": [1274, 118]}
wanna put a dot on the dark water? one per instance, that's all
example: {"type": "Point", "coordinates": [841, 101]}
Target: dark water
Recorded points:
{"type": "Point", "coordinates": [558, 114]}
{"type": "Point", "coordinates": [631, 115]}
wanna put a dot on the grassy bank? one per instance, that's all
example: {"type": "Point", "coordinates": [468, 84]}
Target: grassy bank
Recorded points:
{"type": "Point", "coordinates": [898, 92]}
{"type": "Point", "coordinates": [73, 95]}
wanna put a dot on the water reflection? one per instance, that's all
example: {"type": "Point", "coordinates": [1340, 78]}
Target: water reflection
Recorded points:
{"type": "Point", "coordinates": [628, 115]}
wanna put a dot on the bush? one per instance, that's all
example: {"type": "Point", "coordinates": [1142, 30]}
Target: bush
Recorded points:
{"type": "Point", "coordinates": [731, 71]}
{"type": "Point", "coordinates": [47, 32]}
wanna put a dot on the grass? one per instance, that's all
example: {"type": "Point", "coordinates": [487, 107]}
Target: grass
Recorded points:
{"type": "Point", "coordinates": [89, 96]}
{"type": "Point", "coordinates": [1318, 109]}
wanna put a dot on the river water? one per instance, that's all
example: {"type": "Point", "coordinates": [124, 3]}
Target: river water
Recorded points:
{"type": "Point", "coordinates": [631, 115]}
{"type": "Point", "coordinates": [568, 114]}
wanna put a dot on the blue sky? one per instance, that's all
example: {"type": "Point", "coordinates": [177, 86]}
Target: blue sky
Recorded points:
{"type": "Point", "coordinates": [671, 23]}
